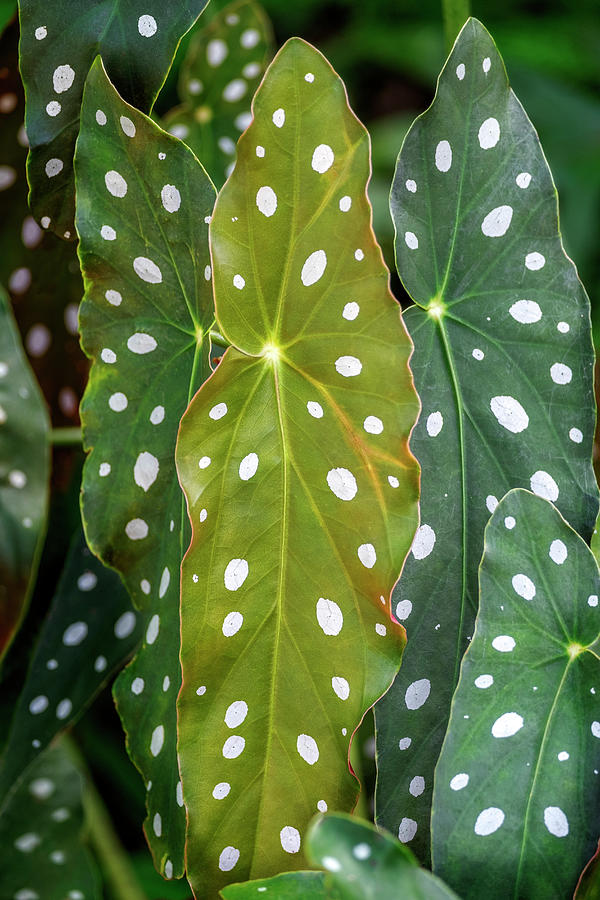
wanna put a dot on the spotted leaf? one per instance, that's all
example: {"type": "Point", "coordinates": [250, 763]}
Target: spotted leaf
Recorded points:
{"type": "Point", "coordinates": [365, 864]}
{"type": "Point", "coordinates": [290, 886]}
{"type": "Point", "coordinates": [89, 632]}
{"type": "Point", "coordinates": [517, 789]}
{"type": "Point", "coordinates": [143, 205]}
{"type": "Point", "coordinates": [301, 491]}
{"type": "Point", "coordinates": [222, 69]}
{"type": "Point", "coordinates": [503, 364]}
{"type": "Point", "coordinates": [41, 834]}
{"type": "Point", "coordinates": [58, 45]}
{"type": "Point", "coordinates": [24, 476]}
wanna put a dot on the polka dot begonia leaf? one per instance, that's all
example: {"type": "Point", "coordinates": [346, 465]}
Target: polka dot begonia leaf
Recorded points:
{"type": "Point", "coordinates": [289, 886]}
{"type": "Point", "coordinates": [90, 631]}
{"type": "Point", "coordinates": [58, 44]}
{"type": "Point", "coordinates": [221, 71]}
{"type": "Point", "coordinates": [503, 364]}
{"type": "Point", "coordinates": [143, 207]}
{"type": "Point", "coordinates": [517, 788]}
{"type": "Point", "coordinates": [24, 476]}
{"type": "Point", "coordinates": [301, 489]}
{"type": "Point", "coordinates": [43, 853]}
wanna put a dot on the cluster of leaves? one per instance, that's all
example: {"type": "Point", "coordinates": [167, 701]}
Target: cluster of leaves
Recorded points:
{"type": "Point", "coordinates": [249, 477]}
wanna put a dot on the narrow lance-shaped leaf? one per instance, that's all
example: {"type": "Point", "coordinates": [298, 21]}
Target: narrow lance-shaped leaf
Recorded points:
{"type": "Point", "coordinates": [300, 487]}
{"type": "Point", "coordinates": [223, 67]}
{"type": "Point", "coordinates": [58, 44]}
{"type": "Point", "coordinates": [24, 476]}
{"type": "Point", "coordinates": [503, 364]}
{"type": "Point", "coordinates": [43, 854]}
{"type": "Point", "coordinates": [89, 632]}
{"type": "Point", "coordinates": [143, 205]}
{"type": "Point", "coordinates": [517, 790]}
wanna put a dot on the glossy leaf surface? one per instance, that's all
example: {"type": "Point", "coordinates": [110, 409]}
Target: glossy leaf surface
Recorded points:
{"type": "Point", "coordinates": [24, 476]}
{"type": "Point", "coordinates": [40, 833]}
{"type": "Point", "coordinates": [88, 634]}
{"type": "Point", "coordinates": [222, 69]}
{"type": "Point", "coordinates": [503, 365]}
{"type": "Point", "coordinates": [517, 786]}
{"type": "Point", "coordinates": [58, 44]}
{"type": "Point", "coordinates": [365, 864]}
{"type": "Point", "coordinates": [143, 209]}
{"type": "Point", "coordinates": [300, 487]}
{"type": "Point", "coordinates": [289, 886]}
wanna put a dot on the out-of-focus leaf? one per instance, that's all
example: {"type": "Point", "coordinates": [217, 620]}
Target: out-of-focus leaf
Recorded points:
{"type": "Point", "coordinates": [24, 476]}
{"type": "Point", "coordinates": [223, 67]}
{"type": "Point", "coordinates": [503, 364]}
{"type": "Point", "coordinates": [143, 206]}
{"type": "Point", "coordinates": [365, 864]}
{"type": "Point", "coordinates": [58, 44]}
{"type": "Point", "coordinates": [300, 487]}
{"type": "Point", "coordinates": [89, 632]}
{"type": "Point", "coordinates": [43, 855]}
{"type": "Point", "coordinates": [8, 11]}
{"type": "Point", "coordinates": [290, 886]}
{"type": "Point", "coordinates": [517, 789]}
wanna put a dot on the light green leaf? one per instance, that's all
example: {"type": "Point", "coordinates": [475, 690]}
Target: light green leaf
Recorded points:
{"type": "Point", "coordinates": [365, 864]}
{"type": "Point", "coordinates": [43, 854]}
{"type": "Point", "coordinates": [222, 69]}
{"type": "Point", "coordinates": [89, 632]}
{"type": "Point", "coordinates": [24, 476]}
{"type": "Point", "coordinates": [517, 789]}
{"type": "Point", "coordinates": [503, 365]}
{"type": "Point", "coordinates": [143, 204]}
{"type": "Point", "coordinates": [301, 491]}
{"type": "Point", "coordinates": [58, 44]}
{"type": "Point", "coordinates": [290, 886]}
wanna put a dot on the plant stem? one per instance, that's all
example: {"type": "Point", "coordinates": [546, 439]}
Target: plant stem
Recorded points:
{"type": "Point", "coordinates": [65, 437]}
{"type": "Point", "coordinates": [456, 13]}
{"type": "Point", "coordinates": [112, 857]}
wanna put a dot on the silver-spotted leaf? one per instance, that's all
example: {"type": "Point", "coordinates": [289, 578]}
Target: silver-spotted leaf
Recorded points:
{"type": "Point", "coordinates": [517, 786]}
{"type": "Point", "coordinates": [223, 66]}
{"type": "Point", "coordinates": [503, 364]}
{"type": "Point", "coordinates": [143, 206]}
{"type": "Point", "coordinates": [365, 864]}
{"type": "Point", "coordinates": [24, 476]}
{"type": "Point", "coordinates": [58, 44]}
{"type": "Point", "coordinates": [89, 632]}
{"type": "Point", "coordinates": [43, 854]}
{"type": "Point", "coordinates": [289, 886]}
{"type": "Point", "coordinates": [300, 487]}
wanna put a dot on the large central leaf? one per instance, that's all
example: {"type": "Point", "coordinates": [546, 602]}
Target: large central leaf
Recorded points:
{"type": "Point", "coordinates": [503, 364]}
{"type": "Point", "coordinates": [301, 490]}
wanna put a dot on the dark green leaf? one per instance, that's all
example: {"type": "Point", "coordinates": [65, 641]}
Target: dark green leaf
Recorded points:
{"type": "Point", "coordinates": [58, 44]}
{"type": "Point", "coordinates": [517, 786]}
{"type": "Point", "coordinates": [24, 476]}
{"type": "Point", "coordinates": [143, 206]}
{"type": "Point", "coordinates": [89, 632]}
{"type": "Point", "coordinates": [503, 364]}
{"type": "Point", "coordinates": [301, 490]}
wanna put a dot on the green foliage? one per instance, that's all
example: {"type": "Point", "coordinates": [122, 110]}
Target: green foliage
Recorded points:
{"type": "Point", "coordinates": [58, 44]}
{"type": "Point", "coordinates": [223, 66]}
{"type": "Point", "coordinates": [517, 785]}
{"type": "Point", "coordinates": [479, 250]}
{"type": "Point", "coordinates": [24, 475]}
{"type": "Point", "coordinates": [41, 835]}
{"type": "Point", "coordinates": [300, 487]}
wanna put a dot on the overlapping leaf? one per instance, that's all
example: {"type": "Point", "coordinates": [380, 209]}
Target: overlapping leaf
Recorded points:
{"type": "Point", "coordinates": [24, 475]}
{"type": "Point", "coordinates": [290, 886]}
{"type": "Point", "coordinates": [503, 364]}
{"type": "Point", "coordinates": [89, 632]}
{"type": "Point", "coordinates": [40, 833]}
{"type": "Point", "coordinates": [222, 69]}
{"type": "Point", "coordinates": [300, 487]}
{"type": "Point", "coordinates": [58, 44]}
{"type": "Point", "coordinates": [517, 790]}
{"type": "Point", "coordinates": [143, 205]}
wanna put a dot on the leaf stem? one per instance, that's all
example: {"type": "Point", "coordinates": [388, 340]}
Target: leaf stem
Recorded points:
{"type": "Point", "coordinates": [65, 437]}
{"type": "Point", "coordinates": [112, 857]}
{"type": "Point", "coordinates": [455, 13]}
